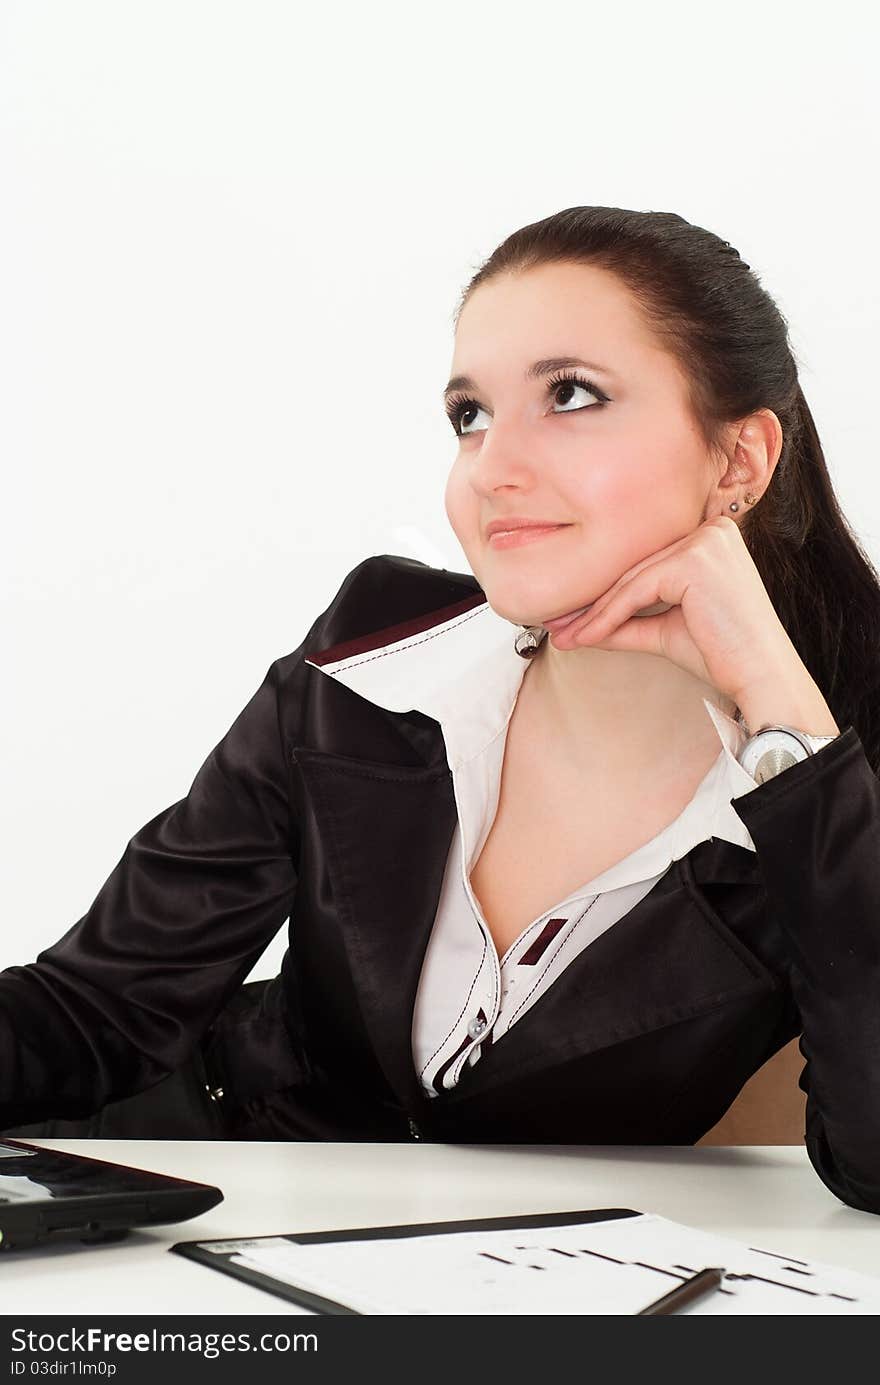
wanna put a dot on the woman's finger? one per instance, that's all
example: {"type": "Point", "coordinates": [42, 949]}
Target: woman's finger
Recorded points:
{"type": "Point", "coordinates": [606, 616]}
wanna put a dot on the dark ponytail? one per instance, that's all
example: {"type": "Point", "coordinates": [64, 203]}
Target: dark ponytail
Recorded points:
{"type": "Point", "coordinates": [711, 312]}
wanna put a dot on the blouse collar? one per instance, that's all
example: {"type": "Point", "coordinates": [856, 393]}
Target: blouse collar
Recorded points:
{"type": "Point", "coordinates": [462, 669]}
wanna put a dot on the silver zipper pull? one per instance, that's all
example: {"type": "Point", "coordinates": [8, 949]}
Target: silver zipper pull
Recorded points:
{"type": "Point", "coordinates": [414, 1129]}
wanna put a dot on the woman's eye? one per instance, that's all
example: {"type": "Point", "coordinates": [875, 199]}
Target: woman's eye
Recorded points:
{"type": "Point", "coordinates": [459, 409]}
{"type": "Point", "coordinates": [458, 413]}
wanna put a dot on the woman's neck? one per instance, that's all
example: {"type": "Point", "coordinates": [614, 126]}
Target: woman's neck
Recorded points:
{"type": "Point", "coordinates": [599, 706]}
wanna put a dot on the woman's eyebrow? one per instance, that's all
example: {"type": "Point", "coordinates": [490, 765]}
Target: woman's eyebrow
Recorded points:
{"type": "Point", "coordinates": [538, 368]}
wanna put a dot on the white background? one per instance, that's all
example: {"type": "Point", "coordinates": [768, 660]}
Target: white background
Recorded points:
{"type": "Point", "coordinates": [233, 237]}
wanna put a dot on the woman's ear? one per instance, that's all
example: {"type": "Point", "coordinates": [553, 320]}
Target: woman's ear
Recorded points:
{"type": "Point", "coordinates": [746, 462]}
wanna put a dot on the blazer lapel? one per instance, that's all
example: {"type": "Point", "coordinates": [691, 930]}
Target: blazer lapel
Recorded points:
{"type": "Point", "coordinates": [387, 830]}
{"type": "Point", "coordinates": [720, 862]}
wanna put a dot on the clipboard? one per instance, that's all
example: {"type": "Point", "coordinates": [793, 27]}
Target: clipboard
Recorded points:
{"type": "Point", "coordinates": [599, 1261]}
{"type": "Point", "coordinates": [218, 1254]}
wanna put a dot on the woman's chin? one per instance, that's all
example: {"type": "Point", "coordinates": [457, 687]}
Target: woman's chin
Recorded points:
{"type": "Point", "coordinates": [556, 623]}
{"type": "Point", "coordinates": [518, 614]}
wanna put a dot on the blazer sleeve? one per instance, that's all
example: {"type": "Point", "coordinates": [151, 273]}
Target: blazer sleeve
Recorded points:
{"type": "Point", "coordinates": [816, 830]}
{"type": "Point", "coordinates": [119, 1001]}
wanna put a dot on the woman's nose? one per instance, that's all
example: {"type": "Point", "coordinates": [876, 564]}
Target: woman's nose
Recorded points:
{"type": "Point", "coordinates": [505, 457]}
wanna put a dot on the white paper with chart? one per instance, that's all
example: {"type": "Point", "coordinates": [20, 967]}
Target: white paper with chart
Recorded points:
{"type": "Point", "coordinates": [607, 1267]}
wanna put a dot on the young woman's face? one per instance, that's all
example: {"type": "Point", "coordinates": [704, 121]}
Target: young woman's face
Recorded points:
{"type": "Point", "coordinates": [624, 477]}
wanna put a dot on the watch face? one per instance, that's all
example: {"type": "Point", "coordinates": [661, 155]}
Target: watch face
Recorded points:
{"type": "Point", "coordinates": [773, 750]}
{"type": "Point", "coordinates": [773, 762]}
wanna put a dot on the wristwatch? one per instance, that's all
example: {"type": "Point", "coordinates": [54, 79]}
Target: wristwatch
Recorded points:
{"type": "Point", "coordinates": [774, 748]}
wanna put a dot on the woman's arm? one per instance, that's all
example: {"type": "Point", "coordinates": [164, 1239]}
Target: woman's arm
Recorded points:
{"type": "Point", "coordinates": [121, 999]}
{"type": "Point", "coordinates": [816, 830]}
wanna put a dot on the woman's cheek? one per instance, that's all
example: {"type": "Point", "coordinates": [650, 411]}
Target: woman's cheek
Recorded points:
{"type": "Point", "coordinates": [461, 510]}
{"type": "Point", "coordinates": [639, 493]}
{"type": "Point", "coordinates": [450, 500]}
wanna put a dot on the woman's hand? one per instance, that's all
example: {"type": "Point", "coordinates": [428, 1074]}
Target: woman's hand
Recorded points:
{"type": "Point", "coordinates": [720, 623]}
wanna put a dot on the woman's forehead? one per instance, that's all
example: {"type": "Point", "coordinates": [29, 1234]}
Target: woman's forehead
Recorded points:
{"type": "Point", "coordinates": [520, 319]}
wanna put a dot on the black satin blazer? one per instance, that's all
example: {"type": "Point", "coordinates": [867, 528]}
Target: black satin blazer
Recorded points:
{"type": "Point", "coordinates": [321, 805]}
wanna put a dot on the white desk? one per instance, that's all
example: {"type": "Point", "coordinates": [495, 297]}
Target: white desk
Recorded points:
{"type": "Point", "coordinates": [768, 1195]}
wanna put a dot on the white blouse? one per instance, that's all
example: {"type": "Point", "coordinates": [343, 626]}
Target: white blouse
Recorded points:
{"type": "Point", "coordinates": [466, 673]}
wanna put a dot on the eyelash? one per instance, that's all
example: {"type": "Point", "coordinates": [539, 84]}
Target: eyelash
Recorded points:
{"type": "Point", "coordinates": [459, 404]}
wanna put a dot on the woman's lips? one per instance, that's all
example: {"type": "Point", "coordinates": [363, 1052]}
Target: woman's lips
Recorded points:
{"type": "Point", "coordinates": [513, 538]}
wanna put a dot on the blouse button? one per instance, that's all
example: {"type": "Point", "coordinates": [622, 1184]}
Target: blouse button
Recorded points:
{"type": "Point", "coordinates": [476, 1026]}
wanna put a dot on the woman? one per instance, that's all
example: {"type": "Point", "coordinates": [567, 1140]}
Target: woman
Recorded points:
{"type": "Point", "coordinates": [549, 876]}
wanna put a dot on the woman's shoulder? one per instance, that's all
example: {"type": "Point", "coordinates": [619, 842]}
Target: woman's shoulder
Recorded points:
{"type": "Point", "coordinates": [393, 584]}
{"type": "Point", "coordinates": [380, 593]}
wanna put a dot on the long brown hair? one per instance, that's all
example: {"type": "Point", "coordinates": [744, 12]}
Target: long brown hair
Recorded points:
{"type": "Point", "coordinates": [710, 311]}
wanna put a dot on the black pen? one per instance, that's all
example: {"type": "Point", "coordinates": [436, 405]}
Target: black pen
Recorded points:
{"type": "Point", "coordinates": [703, 1282]}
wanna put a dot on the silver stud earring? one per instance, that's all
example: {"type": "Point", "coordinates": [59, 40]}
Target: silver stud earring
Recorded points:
{"type": "Point", "coordinates": [528, 641]}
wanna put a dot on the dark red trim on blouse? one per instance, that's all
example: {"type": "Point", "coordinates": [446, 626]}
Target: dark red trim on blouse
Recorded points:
{"type": "Point", "coordinates": [539, 946]}
{"type": "Point", "coordinates": [390, 634]}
